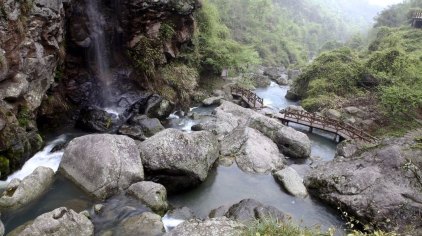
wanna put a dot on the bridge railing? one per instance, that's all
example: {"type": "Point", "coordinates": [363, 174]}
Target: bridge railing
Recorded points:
{"type": "Point", "coordinates": [417, 15]}
{"type": "Point", "coordinates": [250, 96]}
{"type": "Point", "coordinates": [339, 127]}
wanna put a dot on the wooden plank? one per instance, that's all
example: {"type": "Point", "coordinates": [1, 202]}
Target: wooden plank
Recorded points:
{"type": "Point", "coordinates": [315, 121]}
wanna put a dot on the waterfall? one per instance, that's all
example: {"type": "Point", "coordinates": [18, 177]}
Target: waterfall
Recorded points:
{"type": "Point", "coordinates": [99, 47]}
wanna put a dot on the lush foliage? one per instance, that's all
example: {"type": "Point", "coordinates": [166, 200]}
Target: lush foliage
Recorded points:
{"type": "Point", "coordinates": [332, 74]}
{"type": "Point", "coordinates": [291, 31]}
{"type": "Point", "coordinates": [393, 62]}
{"type": "Point", "coordinates": [399, 14]}
{"type": "Point", "coordinates": [270, 227]}
{"type": "Point", "coordinates": [217, 49]}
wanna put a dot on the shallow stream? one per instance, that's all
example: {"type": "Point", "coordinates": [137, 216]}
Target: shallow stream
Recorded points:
{"type": "Point", "coordinates": [224, 185]}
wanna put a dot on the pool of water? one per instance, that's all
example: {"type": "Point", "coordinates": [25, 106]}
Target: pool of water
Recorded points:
{"type": "Point", "coordinates": [224, 185]}
{"type": "Point", "coordinates": [274, 96]}
{"type": "Point", "coordinates": [229, 185]}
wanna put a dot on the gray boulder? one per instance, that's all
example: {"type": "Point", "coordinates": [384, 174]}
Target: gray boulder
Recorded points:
{"type": "Point", "coordinates": [229, 116]}
{"type": "Point", "coordinates": [179, 160]}
{"type": "Point", "coordinates": [261, 81]}
{"type": "Point", "coordinates": [19, 193]}
{"type": "Point", "coordinates": [292, 182]}
{"type": "Point", "coordinates": [292, 95]}
{"type": "Point", "coordinates": [378, 185]}
{"type": "Point", "coordinates": [157, 107]}
{"type": "Point", "coordinates": [248, 210]}
{"type": "Point", "coordinates": [212, 101]}
{"type": "Point", "coordinates": [59, 222]}
{"type": "Point", "coordinates": [149, 126]}
{"type": "Point", "coordinates": [151, 194]}
{"type": "Point", "coordinates": [275, 72]}
{"type": "Point", "coordinates": [146, 224]}
{"type": "Point", "coordinates": [282, 79]}
{"type": "Point", "coordinates": [208, 227]}
{"type": "Point", "coordinates": [253, 151]}
{"type": "Point", "coordinates": [140, 127]}
{"type": "Point", "coordinates": [293, 143]}
{"type": "Point", "coordinates": [332, 114]}
{"type": "Point", "coordinates": [102, 164]}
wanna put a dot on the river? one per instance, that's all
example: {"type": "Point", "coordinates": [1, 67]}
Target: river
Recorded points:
{"type": "Point", "coordinates": [224, 185]}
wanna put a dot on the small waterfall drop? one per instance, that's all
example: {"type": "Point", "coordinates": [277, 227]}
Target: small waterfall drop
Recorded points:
{"type": "Point", "coordinates": [99, 50]}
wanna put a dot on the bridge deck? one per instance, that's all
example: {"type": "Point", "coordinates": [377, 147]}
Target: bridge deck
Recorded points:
{"type": "Point", "coordinates": [312, 120]}
{"type": "Point", "coordinates": [253, 100]}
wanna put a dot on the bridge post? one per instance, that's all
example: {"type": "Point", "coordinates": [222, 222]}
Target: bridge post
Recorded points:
{"type": "Point", "coordinates": [311, 129]}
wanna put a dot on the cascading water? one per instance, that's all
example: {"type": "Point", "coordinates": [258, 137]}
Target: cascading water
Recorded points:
{"type": "Point", "coordinates": [98, 49]}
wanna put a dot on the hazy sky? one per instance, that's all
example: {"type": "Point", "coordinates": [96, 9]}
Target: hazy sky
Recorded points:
{"type": "Point", "coordinates": [384, 2]}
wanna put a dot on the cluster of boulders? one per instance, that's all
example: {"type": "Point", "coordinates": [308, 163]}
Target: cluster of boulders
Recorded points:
{"type": "Point", "coordinates": [379, 184]}
{"type": "Point", "coordinates": [106, 165]}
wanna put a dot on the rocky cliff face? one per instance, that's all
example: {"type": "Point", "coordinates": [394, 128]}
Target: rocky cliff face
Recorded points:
{"type": "Point", "coordinates": [141, 36]}
{"type": "Point", "coordinates": [35, 85]}
{"type": "Point", "coordinates": [31, 47]}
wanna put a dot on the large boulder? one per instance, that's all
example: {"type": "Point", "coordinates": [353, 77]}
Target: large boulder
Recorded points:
{"type": "Point", "coordinates": [148, 224]}
{"type": "Point", "coordinates": [292, 182]}
{"type": "Point", "coordinates": [19, 193]}
{"type": "Point", "coordinates": [209, 227]}
{"type": "Point", "coordinates": [293, 143]}
{"type": "Point", "coordinates": [379, 185]}
{"type": "Point", "coordinates": [248, 210]}
{"type": "Point", "coordinates": [229, 116]}
{"type": "Point", "coordinates": [253, 151]}
{"type": "Point", "coordinates": [97, 120]}
{"type": "Point", "coordinates": [275, 72]}
{"type": "Point", "coordinates": [59, 222]}
{"type": "Point", "coordinates": [141, 127]}
{"type": "Point", "coordinates": [158, 107]}
{"type": "Point", "coordinates": [179, 160]}
{"type": "Point", "coordinates": [151, 194]}
{"type": "Point", "coordinates": [212, 101]}
{"type": "Point", "coordinates": [102, 164]}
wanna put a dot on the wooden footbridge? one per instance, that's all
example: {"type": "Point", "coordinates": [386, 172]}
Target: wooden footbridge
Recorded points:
{"type": "Point", "coordinates": [417, 19]}
{"type": "Point", "coordinates": [253, 100]}
{"type": "Point", "coordinates": [312, 120]}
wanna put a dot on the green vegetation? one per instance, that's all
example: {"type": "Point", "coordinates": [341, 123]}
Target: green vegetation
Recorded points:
{"type": "Point", "coordinates": [4, 166]}
{"type": "Point", "coordinates": [179, 82]}
{"type": "Point", "coordinates": [390, 70]}
{"type": "Point", "coordinates": [271, 227]}
{"type": "Point", "coordinates": [217, 49]}
{"type": "Point", "coordinates": [291, 31]}
{"type": "Point", "coordinates": [399, 14]}
{"type": "Point", "coordinates": [24, 116]}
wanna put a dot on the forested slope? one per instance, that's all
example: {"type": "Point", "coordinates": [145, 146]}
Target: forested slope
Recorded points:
{"type": "Point", "coordinates": [386, 76]}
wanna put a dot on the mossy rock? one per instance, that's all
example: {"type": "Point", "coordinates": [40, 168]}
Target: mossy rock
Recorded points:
{"type": "Point", "coordinates": [4, 166]}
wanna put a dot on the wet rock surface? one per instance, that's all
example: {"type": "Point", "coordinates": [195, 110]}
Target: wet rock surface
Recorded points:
{"type": "Point", "coordinates": [145, 224]}
{"type": "Point", "coordinates": [380, 184]}
{"type": "Point", "coordinates": [253, 151]}
{"type": "Point", "coordinates": [209, 227]}
{"type": "Point", "coordinates": [291, 181]}
{"type": "Point", "coordinates": [102, 164]}
{"type": "Point", "coordinates": [60, 222]}
{"type": "Point", "coordinates": [21, 192]}
{"type": "Point", "coordinates": [179, 160]}
{"type": "Point", "coordinates": [28, 60]}
{"type": "Point", "coordinates": [151, 194]}
{"type": "Point", "coordinates": [229, 116]}
{"type": "Point", "coordinates": [248, 210]}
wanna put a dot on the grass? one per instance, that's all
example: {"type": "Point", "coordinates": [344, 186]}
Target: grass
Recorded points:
{"type": "Point", "coordinates": [271, 227]}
